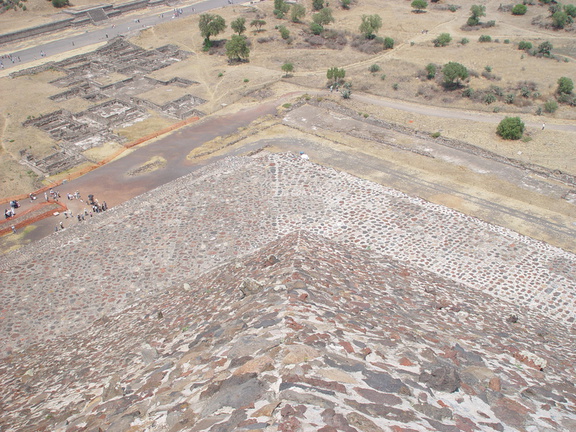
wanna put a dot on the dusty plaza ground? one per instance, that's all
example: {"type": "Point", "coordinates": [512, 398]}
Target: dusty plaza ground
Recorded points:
{"type": "Point", "coordinates": [418, 113]}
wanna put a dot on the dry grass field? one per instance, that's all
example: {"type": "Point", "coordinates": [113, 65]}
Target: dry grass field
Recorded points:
{"type": "Point", "coordinates": [231, 87]}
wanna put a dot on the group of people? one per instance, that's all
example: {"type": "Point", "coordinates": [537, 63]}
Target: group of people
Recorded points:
{"type": "Point", "coordinates": [8, 213]}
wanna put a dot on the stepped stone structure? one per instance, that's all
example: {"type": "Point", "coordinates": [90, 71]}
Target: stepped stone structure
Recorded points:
{"type": "Point", "coordinates": [270, 293]}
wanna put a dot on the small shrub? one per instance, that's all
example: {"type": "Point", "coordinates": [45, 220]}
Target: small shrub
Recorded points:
{"type": "Point", "coordinates": [246, 80]}
{"type": "Point", "coordinates": [388, 43]}
{"type": "Point", "coordinates": [453, 8]}
{"type": "Point", "coordinates": [284, 32]}
{"type": "Point", "coordinates": [489, 98]}
{"type": "Point", "coordinates": [539, 111]}
{"type": "Point", "coordinates": [374, 68]}
{"type": "Point", "coordinates": [287, 105]}
{"type": "Point", "coordinates": [510, 97]}
{"type": "Point", "coordinates": [431, 71]}
{"type": "Point", "coordinates": [488, 68]}
{"type": "Point", "coordinates": [383, 77]}
{"type": "Point", "coordinates": [551, 106]}
{"type": "Point", "coordinates": [464, 41]}
{"type": "Point", "coordinates": [519, 9]}
{"type": "Point", "coordinates": [496, 110]}
{"type": "Point", "coordinates": [526, 139]}
{"type": "Point", "coordinates": [395, 86]}
{"type": "Point", "coordinates": [510, 128]}
{"type": "Point", "coordinates": [442, 40]}
{"type": "Point", "coordinates": [220, 75]}
{"type": "Point", "coordinates": [469, 92]}
{"type": "Point", "coordinates": [525, 46]}
{"type": "Point", "coordinates": [485, 38]}
{"type": "Point", "coordinates": [506, 41]}
{"type": "Point", "coordinates": [489, 24]}
{"type": "Point", "coordinates": [346, 93]}
{"type": "Point", "coordinates": [365, 115]}
{"type": "Point", "coordinates": [435, 135]}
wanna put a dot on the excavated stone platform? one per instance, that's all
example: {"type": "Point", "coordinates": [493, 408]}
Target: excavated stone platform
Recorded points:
{"type": "Point", "coordinates": [361, 309]}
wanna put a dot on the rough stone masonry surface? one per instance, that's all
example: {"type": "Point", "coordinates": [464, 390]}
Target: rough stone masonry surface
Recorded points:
{"type": "Point", "coordinates": [270, 293]}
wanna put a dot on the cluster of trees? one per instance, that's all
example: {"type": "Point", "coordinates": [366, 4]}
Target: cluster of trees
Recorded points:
{"type": "Point", "coordinates": [562, 15]}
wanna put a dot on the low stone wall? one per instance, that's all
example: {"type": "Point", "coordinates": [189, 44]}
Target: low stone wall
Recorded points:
{"type": "Point", "coordinates": [34, 31]}
{"type": "Point", "coordinates": [79, 19]}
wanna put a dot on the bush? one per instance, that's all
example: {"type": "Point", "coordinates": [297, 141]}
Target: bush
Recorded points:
{"type": "Point", "coordinates": [383, 77]}
{"type": "Point", "coordinates": [464, 41]}
{"type": "Point", "coordinates": [469, 92]}
{"type": "Point", "coordinates": [284, 32]}
{"type": "Point", "coordinates": [442, 40]}
{"type": "Point", "coordinates": [565, 85]}
{"type": "Point", "coordinates": [388, 43]}
{"type": "Point", "coordinates": [485, 38]}
{"type": "Point", "coordinates": [395, 86]}
{"type": "Point", "coordinates": [506, 41]}
{"type": "Point", "coordinates": [511, 128]}
{"type": "Point", "coordinates": [490, 23]}
{"type": "Point", "coordinates": [435, 135]}
{"type": "Point", "coordinates": [489, 98]}
{"type": "Point", "coordinates": [519, 9]}
{"type": "Point", "coordinates": [316, 28]}
{"type": "Point", "coordinates": [60, 3]}
{"type": "Point", "coordinates": [551, 106]}
{"type": "Point", "coordinates": [545, 48]}
{"type": "Point", "coordinates": [525, 46]}
{"type": "Point", "coordinates": [374, 68]}
{"type": "Point", "coordinates": [510, 97]}
{"type": "Point", "coordinates": [431, 71]}
{"type": "Point", "coordinates": [453, 8]}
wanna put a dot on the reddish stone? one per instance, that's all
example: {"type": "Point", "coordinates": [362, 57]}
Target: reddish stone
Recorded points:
{"type": "Point", "coordinates": [303, 296]}
{"type": "Point", "coordinates": [402, 429]}
{"type": "Point", "coordinates": [468, 389]}
{"type": "Point", "coordinates": [465, 424]}
{"type": "Point", "coordinates": [405, 362]}
{"type": "Point", "coordinates": [347, 346]}
{"type": "Point", "coordinates": [442, 404]}
{"type": "Point", "coordinates": [495, 384]}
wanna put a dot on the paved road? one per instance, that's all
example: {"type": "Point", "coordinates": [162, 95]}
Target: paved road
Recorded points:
{"type": "Point", "coordinates": [121, 26]}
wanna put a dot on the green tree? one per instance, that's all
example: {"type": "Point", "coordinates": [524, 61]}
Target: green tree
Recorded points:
{"type": "Point", "coordinates": [476, 11]}
{"type": "Point", "coordinates": [419, 5]}
{"type": "Point", "coordinates": [443, 39]}
{"type": "Point", "coordinates": [210, 25]}
{"type": "Point", "coordinates": [545, 48]}
{"type": "Point", "coordinates": [237, 48]}
{"type": "Point", "coordinates": [324, 17]}
{"type": "Point", "coordinates": [258, 23]}
{"type": "Point", "coordinates": [298, 12]}
{"type": "Point", "coordinates": [560, 19]}
{"type": "Point", "coordinates": [454, 73]}
{"type": "Point", "coordinates": [335, 74]}
{"type": "Point", "coordinates": [60, 3]}
{"type": "Point", "coordinates": [317, 4]}
{"type": "Point", "coordinates": [565, 85]}
{"type": "Point", "coordinates": [288, 68]}
{"type": "Point", "coordinates": [370, 25]}
{"type": "Point", "coordinates": [346, 4]}
{"type": "Point", "coordinates": [510, 128]}
{"type": "Point", "coordinates": [238, 25]}
{"type": "Point", "coordinates": [519, 9]}
{"type": "Point", "coordinates": [431, 71]}
{"type": "Point", "coordinates": [281, 8]}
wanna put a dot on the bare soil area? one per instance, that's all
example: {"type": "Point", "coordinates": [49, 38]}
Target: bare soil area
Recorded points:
{"type": "Point", "coordinates": [231, 87]}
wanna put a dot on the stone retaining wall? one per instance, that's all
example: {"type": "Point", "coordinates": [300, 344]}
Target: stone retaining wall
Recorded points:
{"type": "Point", "coordinates": [80, 18]}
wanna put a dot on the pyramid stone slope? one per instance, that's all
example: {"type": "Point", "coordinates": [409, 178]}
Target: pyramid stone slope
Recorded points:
{"type": "Point", "coordinates": [304, 334]}
{"type": "Point", "coordinates": [236, 206]}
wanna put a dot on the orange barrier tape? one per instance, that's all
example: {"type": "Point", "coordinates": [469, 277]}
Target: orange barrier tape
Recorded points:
{"type": "Point", "coordinates": [19, 222]}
